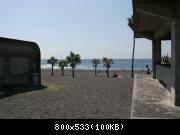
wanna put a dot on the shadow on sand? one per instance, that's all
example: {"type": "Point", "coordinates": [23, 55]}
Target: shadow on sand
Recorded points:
{"type": "Point", "coordinates": [15, 89]}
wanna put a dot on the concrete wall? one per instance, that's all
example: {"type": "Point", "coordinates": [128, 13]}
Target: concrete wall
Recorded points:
{"type": "Point", "coordinates": [1, 70]}
{"type": "Point", "coordinates": [19, 59]}
{"type": "Point", "coordinates": [164, 74]}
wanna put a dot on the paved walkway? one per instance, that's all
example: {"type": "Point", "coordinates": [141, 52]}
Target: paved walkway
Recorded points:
{"type": "Point", "coordinates": [151, 100]}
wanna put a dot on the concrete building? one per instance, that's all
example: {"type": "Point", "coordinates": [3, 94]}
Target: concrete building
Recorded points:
{"type": "Point", "coordinates": [159, 20]}
{"type": "Point", "coordinates": [19, 62]}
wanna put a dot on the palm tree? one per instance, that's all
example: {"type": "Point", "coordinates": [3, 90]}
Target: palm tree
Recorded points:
{"type": "Point", "coordinates": [166, 60]}
{"type": "Point", "coordinates": [131, 21]}
{"type": "Point", "coordinates": [107, 62]}
{"type": "Point", "coordinates": [52, 61]}
{"type": "Point", "coordinates": [73, 59]}
{"type": "Point", "coordinates": [95, 62]}
{"type": "Point", "coordinates": [62, 64]}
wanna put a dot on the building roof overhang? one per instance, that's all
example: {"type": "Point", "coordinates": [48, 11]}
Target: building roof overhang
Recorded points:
{"type": "Point", "coordinates": [152, 18]}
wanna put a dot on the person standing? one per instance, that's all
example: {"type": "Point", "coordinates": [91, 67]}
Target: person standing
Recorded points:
{"type": "Point", "coordinates": [147, 70]}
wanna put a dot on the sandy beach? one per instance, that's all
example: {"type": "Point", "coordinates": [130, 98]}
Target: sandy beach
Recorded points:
{"type": "Point", "coordinates": [82, 97]}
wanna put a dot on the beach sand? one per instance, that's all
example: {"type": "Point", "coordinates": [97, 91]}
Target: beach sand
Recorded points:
{"type": "Point", "coordinates": [82, 97]}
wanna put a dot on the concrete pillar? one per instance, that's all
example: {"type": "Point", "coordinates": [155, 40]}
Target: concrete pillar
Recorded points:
{"type": "Point", "coordinates": [175, 62]}
{"type": "Point", "coordinates": [156, 55]}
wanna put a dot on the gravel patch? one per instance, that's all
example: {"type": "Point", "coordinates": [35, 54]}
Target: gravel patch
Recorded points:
{"type": "Point", "coordinates": [82, 97]}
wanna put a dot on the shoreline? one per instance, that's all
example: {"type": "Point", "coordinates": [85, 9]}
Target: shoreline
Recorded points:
{"type": "Point", "coordinates": [81, 69]}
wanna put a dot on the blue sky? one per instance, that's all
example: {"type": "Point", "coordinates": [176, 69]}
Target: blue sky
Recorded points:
{"type": "Point", "coordinates": [92, 28]}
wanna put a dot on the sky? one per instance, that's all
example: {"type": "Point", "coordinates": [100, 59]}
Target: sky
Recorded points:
{"type": "Point", "coordinates": [92, 28]}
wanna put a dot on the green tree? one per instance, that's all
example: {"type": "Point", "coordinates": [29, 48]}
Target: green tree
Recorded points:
{"type": "Point", "coordinates": [62, 64]}
{"type": "Point", "coordinates": [107, 62]}
{"type": "Point", "coordinates": [166, 60]}
{"type": "Point", "coordinates": [95, 62]}
{"type": "Point", "coordinates": [73, 59]}
{"type": "Point", "coordinates": [52, 61]}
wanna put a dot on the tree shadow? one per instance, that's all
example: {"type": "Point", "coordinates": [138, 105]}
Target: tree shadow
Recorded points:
{"type": "Point", "coordinates": [10, 90]}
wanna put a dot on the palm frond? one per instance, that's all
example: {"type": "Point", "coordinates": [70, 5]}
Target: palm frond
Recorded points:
{"type": "Point", "coordinates": [52, 60]}
{"type": "Point", "coordinates": [62, 63]}
{"type": "Point", "coordinates": [73, 59]}
{"type": "Point", "coordinates": [95, 62]}
{"type": "Point", "coordinates": [107, 62]}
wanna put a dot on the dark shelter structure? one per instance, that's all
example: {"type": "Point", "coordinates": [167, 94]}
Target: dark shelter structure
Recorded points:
{"type": "Point", "coordinates": [19, 63]}
{"type": "Point", "coordinates": [159, 20]}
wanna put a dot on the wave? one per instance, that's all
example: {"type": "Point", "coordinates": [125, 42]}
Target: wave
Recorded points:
{"type": "Point", "coordinates": [48, 66]}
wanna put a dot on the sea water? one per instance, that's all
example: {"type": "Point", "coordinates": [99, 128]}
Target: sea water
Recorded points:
{"type": "Point", "coordinates": [118, 64]}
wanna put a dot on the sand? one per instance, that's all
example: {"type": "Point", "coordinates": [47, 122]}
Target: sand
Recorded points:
{"type": "Point", "coordinates": [82, 97]}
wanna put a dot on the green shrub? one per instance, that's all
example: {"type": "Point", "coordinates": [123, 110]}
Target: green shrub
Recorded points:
{"type": "Point", "coordinates": [166, 60]}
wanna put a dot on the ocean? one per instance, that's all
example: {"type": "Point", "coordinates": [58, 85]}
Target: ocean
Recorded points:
{"type": "Point", "coordinates": [118, 64]}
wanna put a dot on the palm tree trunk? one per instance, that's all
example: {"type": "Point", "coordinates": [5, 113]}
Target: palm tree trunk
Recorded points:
{"type": "Point", "coordinates": [95, 71]}
{"type": "Point", "coordinates": [73, 72]}
{"type": "Point", "coordinates": [107, 72]}
{"type": "Point", "coordinates": [132, 66]}
{"type": "Point", "coordinates": [52, 73]}
{"type": "Point", "coordinates": [62, 69]}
